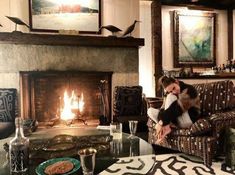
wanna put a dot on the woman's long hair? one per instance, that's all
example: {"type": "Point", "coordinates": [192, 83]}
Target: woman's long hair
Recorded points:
{"type": "Point", "coordinates": [165, 81]}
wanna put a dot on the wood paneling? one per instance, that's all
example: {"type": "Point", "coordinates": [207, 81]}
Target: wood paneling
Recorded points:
{"type": "Point", "coordinates": [230, 34]}
{"type": "Point", "coordinates": [217, 4]}
{"type": "Point", "coordinates": [156, 21]}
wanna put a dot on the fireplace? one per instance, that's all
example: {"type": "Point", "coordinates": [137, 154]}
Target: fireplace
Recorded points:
{"type": "Point", "coordinates": [25, 55]}
{"type": "Point", "coordinates": [43, 95]}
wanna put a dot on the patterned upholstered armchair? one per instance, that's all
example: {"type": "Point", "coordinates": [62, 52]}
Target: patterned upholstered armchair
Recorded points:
{"type": "Point", "coordinates": [128, 105]}
{"type": "Point", "coordinates": [8, 111]}
{"type": "Point", "coordinates": [205, 137]}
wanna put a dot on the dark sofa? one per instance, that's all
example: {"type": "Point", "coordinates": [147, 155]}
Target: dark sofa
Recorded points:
{"type": "Point", "coordinates": [205, 138]}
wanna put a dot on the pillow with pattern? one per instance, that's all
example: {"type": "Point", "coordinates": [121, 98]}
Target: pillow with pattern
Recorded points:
{"type": "Point", "coordinates": [7, 105]}
{"type": "Point", "coordinates": [127, 100]}
{"type": "Point", "coordinates": [201, 126]}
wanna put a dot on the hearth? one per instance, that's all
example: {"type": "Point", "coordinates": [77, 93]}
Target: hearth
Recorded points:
{"type": "Point", "coordinates": [65, 97]}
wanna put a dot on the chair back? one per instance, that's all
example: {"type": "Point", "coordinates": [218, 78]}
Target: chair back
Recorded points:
{"type": "Point", "coordinates": [215, 96]}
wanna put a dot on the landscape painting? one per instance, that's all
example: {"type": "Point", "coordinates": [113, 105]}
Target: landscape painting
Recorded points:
{"type": "Point", "coordinates": [194, 36]}
{"type": "Point", "coordinates": [55, 15]}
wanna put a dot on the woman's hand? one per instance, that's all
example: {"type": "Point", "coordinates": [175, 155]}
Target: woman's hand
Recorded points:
{"type": "Point", "coordinates": [158, 128]}
{"type": "Point", "coordinates": [162, 131]}
{"type": "Point", "coordinates": [159, 133]}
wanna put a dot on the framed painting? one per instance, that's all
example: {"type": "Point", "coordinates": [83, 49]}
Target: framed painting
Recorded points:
{"type": "Point", "coordinates": [194, 39]}
{"type": "Point", "coordinates": [59, 15]}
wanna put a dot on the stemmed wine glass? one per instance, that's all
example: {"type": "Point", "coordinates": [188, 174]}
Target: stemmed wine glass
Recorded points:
{"type": "Point", "coordinates": [133, 127]}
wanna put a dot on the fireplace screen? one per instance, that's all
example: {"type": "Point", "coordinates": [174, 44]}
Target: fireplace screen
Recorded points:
{"type": "Point", "coordinates": [48, 96]}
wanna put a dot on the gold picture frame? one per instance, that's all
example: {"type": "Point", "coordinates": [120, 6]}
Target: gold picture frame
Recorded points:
{"type": "Point", "coordinates": [194, 39]}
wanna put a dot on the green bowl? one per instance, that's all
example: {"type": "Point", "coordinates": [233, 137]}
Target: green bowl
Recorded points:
{"type": "Point", "coordinates": [41, 168]}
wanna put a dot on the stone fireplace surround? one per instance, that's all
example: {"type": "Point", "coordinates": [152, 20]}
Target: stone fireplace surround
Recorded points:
{"type": "Point", "coordinates": [34, 52]}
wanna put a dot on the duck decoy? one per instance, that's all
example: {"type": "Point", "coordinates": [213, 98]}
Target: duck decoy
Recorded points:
{"type": "Point", "coordinates": [130, 28]}
{"type": "Point", "coordinates": [111, 28]}
{"type": "Point", "coordinates": [17, 21]}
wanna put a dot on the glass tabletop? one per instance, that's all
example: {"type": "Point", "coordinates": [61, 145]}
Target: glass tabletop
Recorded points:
{"type": "Point", "coordinates": [109, 150]}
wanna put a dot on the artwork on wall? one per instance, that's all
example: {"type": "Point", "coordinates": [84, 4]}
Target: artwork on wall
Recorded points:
{"type": "Point", "coordinates": [59, 15]}
{"type": "Point", "coordinates": [194, 39]}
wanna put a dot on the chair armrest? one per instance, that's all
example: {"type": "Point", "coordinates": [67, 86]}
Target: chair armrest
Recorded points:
{"type": "Point", "coordinates": [154, 102]}
{"type": "Point", "coordinates": [220, 121]}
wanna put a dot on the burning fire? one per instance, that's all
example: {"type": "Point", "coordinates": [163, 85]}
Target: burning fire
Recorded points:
{"type": "Point", "coordinates": [81, 103]}
{"type": "Point", "coordinates": [72, 105]}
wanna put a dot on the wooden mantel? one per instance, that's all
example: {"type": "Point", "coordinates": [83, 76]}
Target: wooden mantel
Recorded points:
{"type": "Point", "coordinates": [69, 40]}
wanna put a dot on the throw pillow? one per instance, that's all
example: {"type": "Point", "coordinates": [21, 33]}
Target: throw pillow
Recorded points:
{"type": "Point", "coordinates": [7, 105]}
{"type": "Point", "coordinates": [127, 100]}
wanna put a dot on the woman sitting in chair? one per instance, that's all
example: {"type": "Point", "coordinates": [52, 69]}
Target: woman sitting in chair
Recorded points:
{"type": "Point", "coordinates": [181, 107]}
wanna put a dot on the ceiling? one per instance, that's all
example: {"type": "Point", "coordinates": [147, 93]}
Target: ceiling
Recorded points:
{"type": "Point", "coordinates": [217, 4]}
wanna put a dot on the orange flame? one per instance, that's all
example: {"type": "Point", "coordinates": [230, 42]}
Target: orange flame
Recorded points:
{"type": "Point", "coordinates": [71, 104]}
{"type": "Point", "coordinates": [81, 103]}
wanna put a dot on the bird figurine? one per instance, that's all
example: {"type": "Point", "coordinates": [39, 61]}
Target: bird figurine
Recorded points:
{"type": "Point", "coordinates": [17, 21]}
{"type": "Point", "coordinates": [130, 28]}
{"type": "Point", "coordinates": [111, 28]}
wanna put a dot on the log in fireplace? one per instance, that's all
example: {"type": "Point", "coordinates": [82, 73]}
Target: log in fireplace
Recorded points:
{"type": "Point", "coordinates": [43, 95]}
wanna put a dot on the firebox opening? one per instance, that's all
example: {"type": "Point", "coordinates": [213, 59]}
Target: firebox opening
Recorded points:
{"type": "Point", "coordinates": [65, 97]}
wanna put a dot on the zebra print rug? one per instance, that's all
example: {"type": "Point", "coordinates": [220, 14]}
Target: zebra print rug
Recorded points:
{"type": "Point", "coordinates": [166, 164]}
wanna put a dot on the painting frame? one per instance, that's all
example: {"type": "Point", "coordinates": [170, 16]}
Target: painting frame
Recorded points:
{"type": "Point", "coordinates": [194, 39]}
{"type": "Point", "coordinates": [49, 16]}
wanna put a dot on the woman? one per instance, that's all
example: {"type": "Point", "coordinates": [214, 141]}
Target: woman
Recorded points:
{"type": "Point", "coordinates": [181, 107]}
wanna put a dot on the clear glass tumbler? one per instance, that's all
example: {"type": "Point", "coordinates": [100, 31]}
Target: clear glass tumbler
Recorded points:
{"type": "Point", "coordinates": [116, 130]}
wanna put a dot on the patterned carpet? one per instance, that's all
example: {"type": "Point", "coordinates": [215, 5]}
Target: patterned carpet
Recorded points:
{"type": "Point", "coordinates": [166, 164]}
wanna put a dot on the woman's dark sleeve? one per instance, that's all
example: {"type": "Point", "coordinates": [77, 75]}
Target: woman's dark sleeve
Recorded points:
{"type": "Point", "coordinates": [170, 114]}
{"type": "Point", "coordinates": [191, 91]}
{"type": "Point", "coordinates": [194, 114]}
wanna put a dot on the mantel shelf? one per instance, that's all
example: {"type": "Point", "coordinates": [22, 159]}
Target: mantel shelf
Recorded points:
{"type": "Point", "coordinates": [69, 40]}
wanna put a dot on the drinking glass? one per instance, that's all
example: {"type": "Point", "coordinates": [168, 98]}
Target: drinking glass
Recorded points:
{"type": "Point", "coordinates": [134, 147]}
{"type": "Point", "coordinates": [116, 130]}
{"type": "Point", "coordinates": [133, 127]}
{"type": "Point", "coordinates": [87, 158]}
{"type": "Point", "coordinates": [116, 147]}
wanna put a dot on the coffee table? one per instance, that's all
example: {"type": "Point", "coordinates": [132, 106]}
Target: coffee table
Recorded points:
{"type": "Point", "coordinates": [125, 147]}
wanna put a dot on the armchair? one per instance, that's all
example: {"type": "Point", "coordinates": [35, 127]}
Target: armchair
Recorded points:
{"type": "Point", "coordinates": [205, 137]}
{"type": "Point", "coordinates": [128, 105]}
